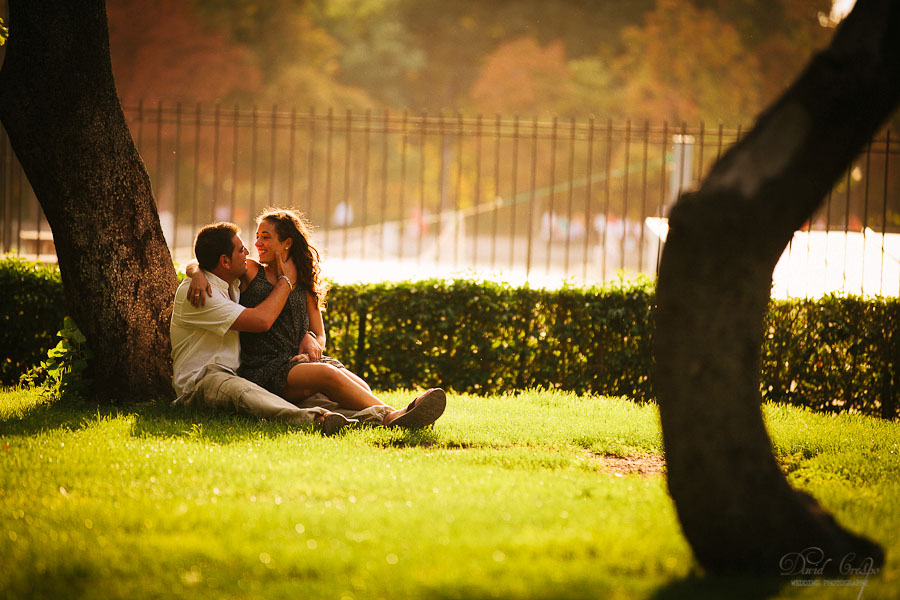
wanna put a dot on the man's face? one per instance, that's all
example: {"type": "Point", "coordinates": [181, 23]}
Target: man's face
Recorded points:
{"type": "Point", "coordinates": [238, 259]}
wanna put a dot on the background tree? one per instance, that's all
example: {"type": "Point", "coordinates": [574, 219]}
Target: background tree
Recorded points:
{"type": "Point", "coordinates": [298, 59]}
{"type": "Point", "coordinates": [685, 64]}
{"type": "Point", "coordinates": [780, 34]}
{"type": "Point", "coordinates": [59, 107]}
{"type": "Point", "coordinates": [378, 51]}
{"type": "Point", "coordinates": [457, 38]}
{"type": "Point", "coordinates": [161, 50]}
{"type": "Point", "coordinates": [520, 77]}
{"type": "Point", "coordinates": [735, 506]}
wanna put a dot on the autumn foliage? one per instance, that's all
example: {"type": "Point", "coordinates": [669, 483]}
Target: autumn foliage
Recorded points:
{"type": "Point", "coordinates": [161, 51]}
{"type": "Point", "coordinates": [522, 77]}
{"type": "Point", "coordinates": [651, 60]}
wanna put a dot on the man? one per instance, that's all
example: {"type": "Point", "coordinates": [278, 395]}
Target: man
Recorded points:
{"type": "Point", "coordinates": [205, 342]}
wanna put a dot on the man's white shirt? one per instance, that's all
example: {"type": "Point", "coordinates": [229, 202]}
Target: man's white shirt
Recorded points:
{"type": "Point", "coordinates": [202, 335]}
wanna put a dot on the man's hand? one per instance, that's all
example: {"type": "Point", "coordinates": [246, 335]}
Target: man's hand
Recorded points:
{"type": "Point", "coordinates": [301, 358]}
{"type": "Point", "coordinates": [285, 267]}
{"type": "Point", "coordinates": [310, 347]}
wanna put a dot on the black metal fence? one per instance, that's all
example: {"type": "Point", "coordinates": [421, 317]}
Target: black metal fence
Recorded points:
{"type": "Point", "coordinates": [402, 195]}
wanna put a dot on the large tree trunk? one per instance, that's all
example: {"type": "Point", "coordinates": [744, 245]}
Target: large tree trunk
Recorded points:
{"type": "Point", "coordinates": [59, 106]}
{"type": "Point", "coordinates": [736, 508]}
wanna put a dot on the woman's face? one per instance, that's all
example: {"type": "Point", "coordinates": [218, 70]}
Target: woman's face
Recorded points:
{"type": "Point", "coordinates": [267, 243]}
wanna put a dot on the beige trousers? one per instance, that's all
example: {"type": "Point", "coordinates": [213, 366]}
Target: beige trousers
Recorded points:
{"type": "Point", "coordinates": [219, 389]}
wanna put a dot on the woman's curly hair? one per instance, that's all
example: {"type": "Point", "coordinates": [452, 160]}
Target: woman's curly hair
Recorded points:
{"type": "Point", "coordinates": [289, 223]}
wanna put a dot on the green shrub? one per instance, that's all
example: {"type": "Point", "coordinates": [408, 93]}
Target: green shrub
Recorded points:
{"type": "Point", "coordinates": [32, 307]}
{"type": "Point", "coordinates": [63, 371]}
{"type": "Point", "coordinates": [834, 354]}
{"type": "Point", "coordinates": [485, 337]}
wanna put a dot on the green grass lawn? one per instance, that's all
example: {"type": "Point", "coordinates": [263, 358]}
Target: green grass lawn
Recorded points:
{"type": "Point", "coordinates": [515, 496]}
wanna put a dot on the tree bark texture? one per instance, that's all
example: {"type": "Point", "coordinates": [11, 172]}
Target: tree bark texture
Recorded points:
{"type": "Point", "coordinates": [736, 508]}
{"type": "Point", "coordinates": [59, 106]}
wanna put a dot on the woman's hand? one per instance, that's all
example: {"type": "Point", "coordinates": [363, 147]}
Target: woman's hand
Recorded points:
{"type": "Point", "coordinates": [310, 346]}
{"type": "Point", "coordinates": [285, 267]}
{"type": "Point", "coordinates": [199, 289]}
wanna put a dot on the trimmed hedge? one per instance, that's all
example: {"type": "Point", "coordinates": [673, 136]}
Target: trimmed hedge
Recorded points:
{"type": "Point", "coordinates": [32, 309]}
{"type": "Point", "coordinates": [485, 337]}
{"type": "Point", "coordinates": [832, 354]}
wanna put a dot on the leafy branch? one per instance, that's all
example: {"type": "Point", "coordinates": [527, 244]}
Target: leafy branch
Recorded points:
{"type": "Point", "coordinates": [62, 372]}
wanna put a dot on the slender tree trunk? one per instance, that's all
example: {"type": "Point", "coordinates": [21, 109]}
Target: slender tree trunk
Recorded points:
{"type": "Point", "coordinates": [735, 506]}
{"type": "Point", "coordinates": [59, 106]}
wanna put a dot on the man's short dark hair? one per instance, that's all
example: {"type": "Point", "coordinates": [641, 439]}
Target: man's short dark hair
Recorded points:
{"type": "Point", "coordinates": [212, 242]}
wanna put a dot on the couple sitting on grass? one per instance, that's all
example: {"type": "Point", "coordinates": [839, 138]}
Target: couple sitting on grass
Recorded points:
{"type": "Point", "coordinates": [248, 336]}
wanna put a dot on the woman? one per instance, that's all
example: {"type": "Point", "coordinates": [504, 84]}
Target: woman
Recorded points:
{"type": "Point", "coordinates": [288, 359]}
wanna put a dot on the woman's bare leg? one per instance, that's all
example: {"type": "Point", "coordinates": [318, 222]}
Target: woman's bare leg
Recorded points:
{"type": "Point", "coordinates": [306, 379]}
{"type": "Point", "coordinates": [357, 379]}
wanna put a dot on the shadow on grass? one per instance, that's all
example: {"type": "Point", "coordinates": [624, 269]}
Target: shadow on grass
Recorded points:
{"type": "Point", "coordinates": [50, 414]}
{"type": "Point", "coordinates": [690, 588]}
{"type": "Point", "coordinates": [164, 420]}
{"type": "Point", "coordinates": [159, 419]}
{"type": "Point", "coordinates": [59, 580]}
{"type": "Point", "coordinates": [696, 587]}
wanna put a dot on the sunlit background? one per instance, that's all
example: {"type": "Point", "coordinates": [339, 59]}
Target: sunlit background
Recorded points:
{"type": "Point", "coordinates": [527, 141]}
